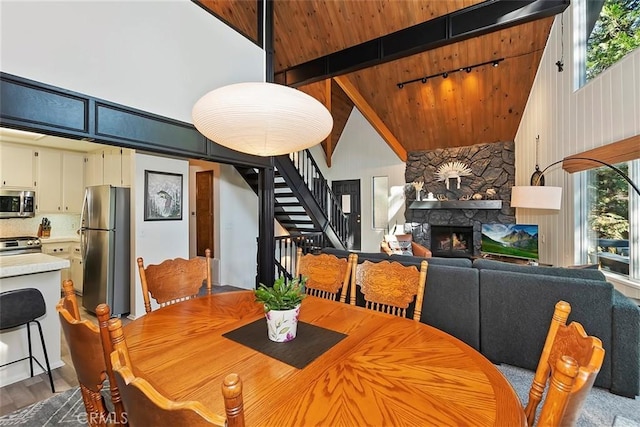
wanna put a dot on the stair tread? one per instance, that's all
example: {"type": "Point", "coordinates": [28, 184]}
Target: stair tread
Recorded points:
{"type": "Point", "coordinates": [289, 204]}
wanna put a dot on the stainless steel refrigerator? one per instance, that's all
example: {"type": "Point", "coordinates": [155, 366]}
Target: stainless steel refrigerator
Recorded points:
{"type": "Point", "coordinates": [105, 244]}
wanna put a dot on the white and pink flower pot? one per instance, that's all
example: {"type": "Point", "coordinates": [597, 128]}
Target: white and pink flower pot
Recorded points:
{"type": "Point", "coordinates": [282, 325]}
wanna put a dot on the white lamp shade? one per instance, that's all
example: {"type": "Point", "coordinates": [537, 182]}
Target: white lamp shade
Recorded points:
{"type": "Point", "coordinates": [264, 119]}
{"type": "Point", "coordinates": [536, 197]}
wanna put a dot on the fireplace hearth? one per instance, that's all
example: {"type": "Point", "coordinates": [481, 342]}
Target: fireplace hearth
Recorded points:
{"type": "Point", "coordinates": [452, 241]}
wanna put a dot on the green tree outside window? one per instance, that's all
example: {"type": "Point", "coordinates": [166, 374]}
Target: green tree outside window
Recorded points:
{"type": "Point", "coordinates": [615, 33]}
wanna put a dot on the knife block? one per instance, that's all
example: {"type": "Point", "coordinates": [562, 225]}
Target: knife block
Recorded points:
{"type": "Point", "coordinates": [43, 232]}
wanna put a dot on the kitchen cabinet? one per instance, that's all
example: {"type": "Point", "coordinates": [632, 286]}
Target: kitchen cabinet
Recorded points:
{"type": "Point", "coordinates": [109, 166]}
{"type": "Point", "coordinates": [112, 161]}
{"type": "Point", "coordinates": [72, 181]}
{"type": "Point", "coordinates": [76, 268]}
{"type": "Point", "coordinates": [94, 169]}
{"type": "Point", "coordinates": [17, 166]}
{"type": "Point", "coordinates": [49, 190]}
{"type": "Point", "coordinates": [59, 250]}
{"type": "Point", "coordinates": [60, 184]}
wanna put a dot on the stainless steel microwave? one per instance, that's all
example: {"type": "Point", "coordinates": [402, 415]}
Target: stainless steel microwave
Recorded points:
{"type": "Point", "coordinates": [17, 204]}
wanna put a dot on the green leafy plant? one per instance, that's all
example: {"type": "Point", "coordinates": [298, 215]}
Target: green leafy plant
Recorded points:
{"type": "Point", "coordinates": [284, 295]}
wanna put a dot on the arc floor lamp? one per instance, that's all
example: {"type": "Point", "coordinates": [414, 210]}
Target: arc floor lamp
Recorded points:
{"type": "Point", "coordinates": [539, 196]}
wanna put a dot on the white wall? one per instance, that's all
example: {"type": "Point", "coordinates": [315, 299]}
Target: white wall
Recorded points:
{"type": "Point", "coordinates": [159, 57]}
{"type": "Point", "coordinates": [156, 241]}
{"type": "Point", "coordinates": [362, 154]}
{"type": "Point", "coordinates": [605, 110]}
{"type": "Point", "coordinates": [238, 229]}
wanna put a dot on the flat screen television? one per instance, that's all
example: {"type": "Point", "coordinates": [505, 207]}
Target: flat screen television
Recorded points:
{"type": "Point", "coordinates": [510, 240]}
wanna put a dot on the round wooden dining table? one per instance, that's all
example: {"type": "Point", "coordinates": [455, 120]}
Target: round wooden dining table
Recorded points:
{"type": "Point", "coordinates": [386, 371]}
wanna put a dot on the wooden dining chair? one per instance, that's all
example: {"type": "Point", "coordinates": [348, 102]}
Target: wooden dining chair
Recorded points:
{"type": "Point", "coordinates": [145, 406]}
{"type": "Point", "coordinates": [326, 274]}
{"type": "Point", "coordinates": [174, 280]}
{"type": "Point", "coordinates": [90, 350]}
{"type": "Point", "coordinates": [572, 360]}
{"type": "Point", "coordinates": [389, 286]}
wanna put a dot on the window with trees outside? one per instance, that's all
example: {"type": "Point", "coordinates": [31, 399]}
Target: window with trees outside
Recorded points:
{"type": "Point", "coordinates": [610, 219]}
{"type": "Point", "coordinates": [606, 31]}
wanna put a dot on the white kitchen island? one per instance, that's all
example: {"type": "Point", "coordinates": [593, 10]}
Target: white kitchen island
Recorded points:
{"type": "Point", "coordinates": [42, 272]}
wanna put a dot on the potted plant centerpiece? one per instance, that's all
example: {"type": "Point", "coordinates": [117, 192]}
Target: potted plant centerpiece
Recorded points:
{"type": "Point", "coordinates": [282, 307]}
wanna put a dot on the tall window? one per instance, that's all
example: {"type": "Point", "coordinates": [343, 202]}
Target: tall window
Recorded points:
{"type": "Point", "coordinates": [610, 219]}
{"type": "Point", "coordinates": [606, 31]}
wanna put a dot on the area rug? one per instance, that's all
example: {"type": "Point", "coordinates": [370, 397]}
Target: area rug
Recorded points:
{"type": "Point", "coordinates": [601, 408]}
{"type": "Point", "coordinates": [63, 409]}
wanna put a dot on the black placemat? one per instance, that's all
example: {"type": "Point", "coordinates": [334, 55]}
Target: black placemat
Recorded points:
{"type": "Point", "coordinates": [310, 342]}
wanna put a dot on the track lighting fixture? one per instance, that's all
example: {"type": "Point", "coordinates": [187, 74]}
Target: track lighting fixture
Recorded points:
{"type": "Point", "coordinates": [445, 74]}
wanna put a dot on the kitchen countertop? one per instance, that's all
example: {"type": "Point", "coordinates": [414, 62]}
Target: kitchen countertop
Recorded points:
{"type": "Point", "coordinates": [74, 239]}
{"type": "Point", "coordinates": [18, 265]}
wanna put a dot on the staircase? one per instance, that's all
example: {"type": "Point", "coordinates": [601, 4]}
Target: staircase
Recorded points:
{"type": "Point", "coordinates": [305, 206]}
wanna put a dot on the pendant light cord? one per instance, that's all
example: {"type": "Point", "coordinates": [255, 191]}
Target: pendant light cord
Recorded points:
{"type": "Point", "coordinates": [560, 63]}
{"type": "Point", "coordinates": [537, 151]}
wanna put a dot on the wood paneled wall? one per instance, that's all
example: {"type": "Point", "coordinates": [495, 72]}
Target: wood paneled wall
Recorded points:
{"type": "Point", "coordinates": [571, 121]}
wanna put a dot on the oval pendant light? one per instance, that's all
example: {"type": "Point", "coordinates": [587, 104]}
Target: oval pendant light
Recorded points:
{"type": "Point", "coordinates": [264, 119]}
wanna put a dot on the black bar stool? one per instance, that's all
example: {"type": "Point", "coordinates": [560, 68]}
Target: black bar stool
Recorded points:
{"type": "Point", "coordinates": [21, 307]}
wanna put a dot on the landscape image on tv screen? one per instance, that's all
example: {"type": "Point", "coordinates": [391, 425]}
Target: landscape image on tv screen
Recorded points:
{"type": "Point", "coordinates": [511, 240]}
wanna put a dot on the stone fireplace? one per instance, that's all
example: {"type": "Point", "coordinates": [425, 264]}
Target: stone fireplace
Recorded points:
{"type": "Point", "coordinates": [492, 168]}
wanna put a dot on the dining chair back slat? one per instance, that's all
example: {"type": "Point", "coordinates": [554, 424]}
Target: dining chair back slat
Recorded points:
{"type": "Point", "coordinates": [90, 349]}
{"type": "Point", "coordinates": [389, 286]}
{"type": "Point", "coordinates": [174, 280]}
{"type": "Point", "coordinates": [569, 364]}
{"type": "Point", "coordinates": [146, 406]}
{"type": "Point", "coordinates": [326, 274]}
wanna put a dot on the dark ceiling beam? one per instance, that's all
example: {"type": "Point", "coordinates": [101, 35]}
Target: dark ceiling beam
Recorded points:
{"type": "Point", "coordinates": [473, 21]}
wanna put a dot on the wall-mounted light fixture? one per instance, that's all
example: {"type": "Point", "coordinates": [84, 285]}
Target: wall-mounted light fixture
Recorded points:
{"type": "Point", "coordinates": [446, 74]}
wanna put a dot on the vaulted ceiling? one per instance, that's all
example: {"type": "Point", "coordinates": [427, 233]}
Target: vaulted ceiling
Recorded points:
{"type": "Point", "coordinates": [348, 53]}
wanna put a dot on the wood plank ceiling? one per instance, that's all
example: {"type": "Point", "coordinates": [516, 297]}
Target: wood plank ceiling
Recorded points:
{"type": "Point", "coordinates": [481, 106]}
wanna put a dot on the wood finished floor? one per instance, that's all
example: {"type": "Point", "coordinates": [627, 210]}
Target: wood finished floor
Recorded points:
{"type": "Point", "coordinates": [24, 393]}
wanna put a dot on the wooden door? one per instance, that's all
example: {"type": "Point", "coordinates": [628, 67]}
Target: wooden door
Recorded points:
{"type": "Point", "coordinates": [348, 192]}
{"type": "Point", "coordinates": [204, 212]}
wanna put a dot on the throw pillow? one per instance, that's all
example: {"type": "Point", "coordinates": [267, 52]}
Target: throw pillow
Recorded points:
{"type": "Point", "coordinates": [399, 243]}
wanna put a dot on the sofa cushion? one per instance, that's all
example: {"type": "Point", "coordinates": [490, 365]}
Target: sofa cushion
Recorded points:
{"type": "Point", "coordinates": [625, 375]}
{"type": "Point", "coordinates": [362, 256]}
{"type": "Point", "coordinates": [451, 262]}
{"type": "Point", "coordinates": [340, 253]}
{"type": "Point", "coordinates": [516, 310]}
{"type": "Point", "coordinates": [452, 302]}
{"type": "Point", "coordinates": [489, 264]}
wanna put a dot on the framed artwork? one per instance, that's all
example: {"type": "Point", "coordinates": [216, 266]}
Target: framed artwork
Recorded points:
{"type": "Point", "coordinates": [162, 196]}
